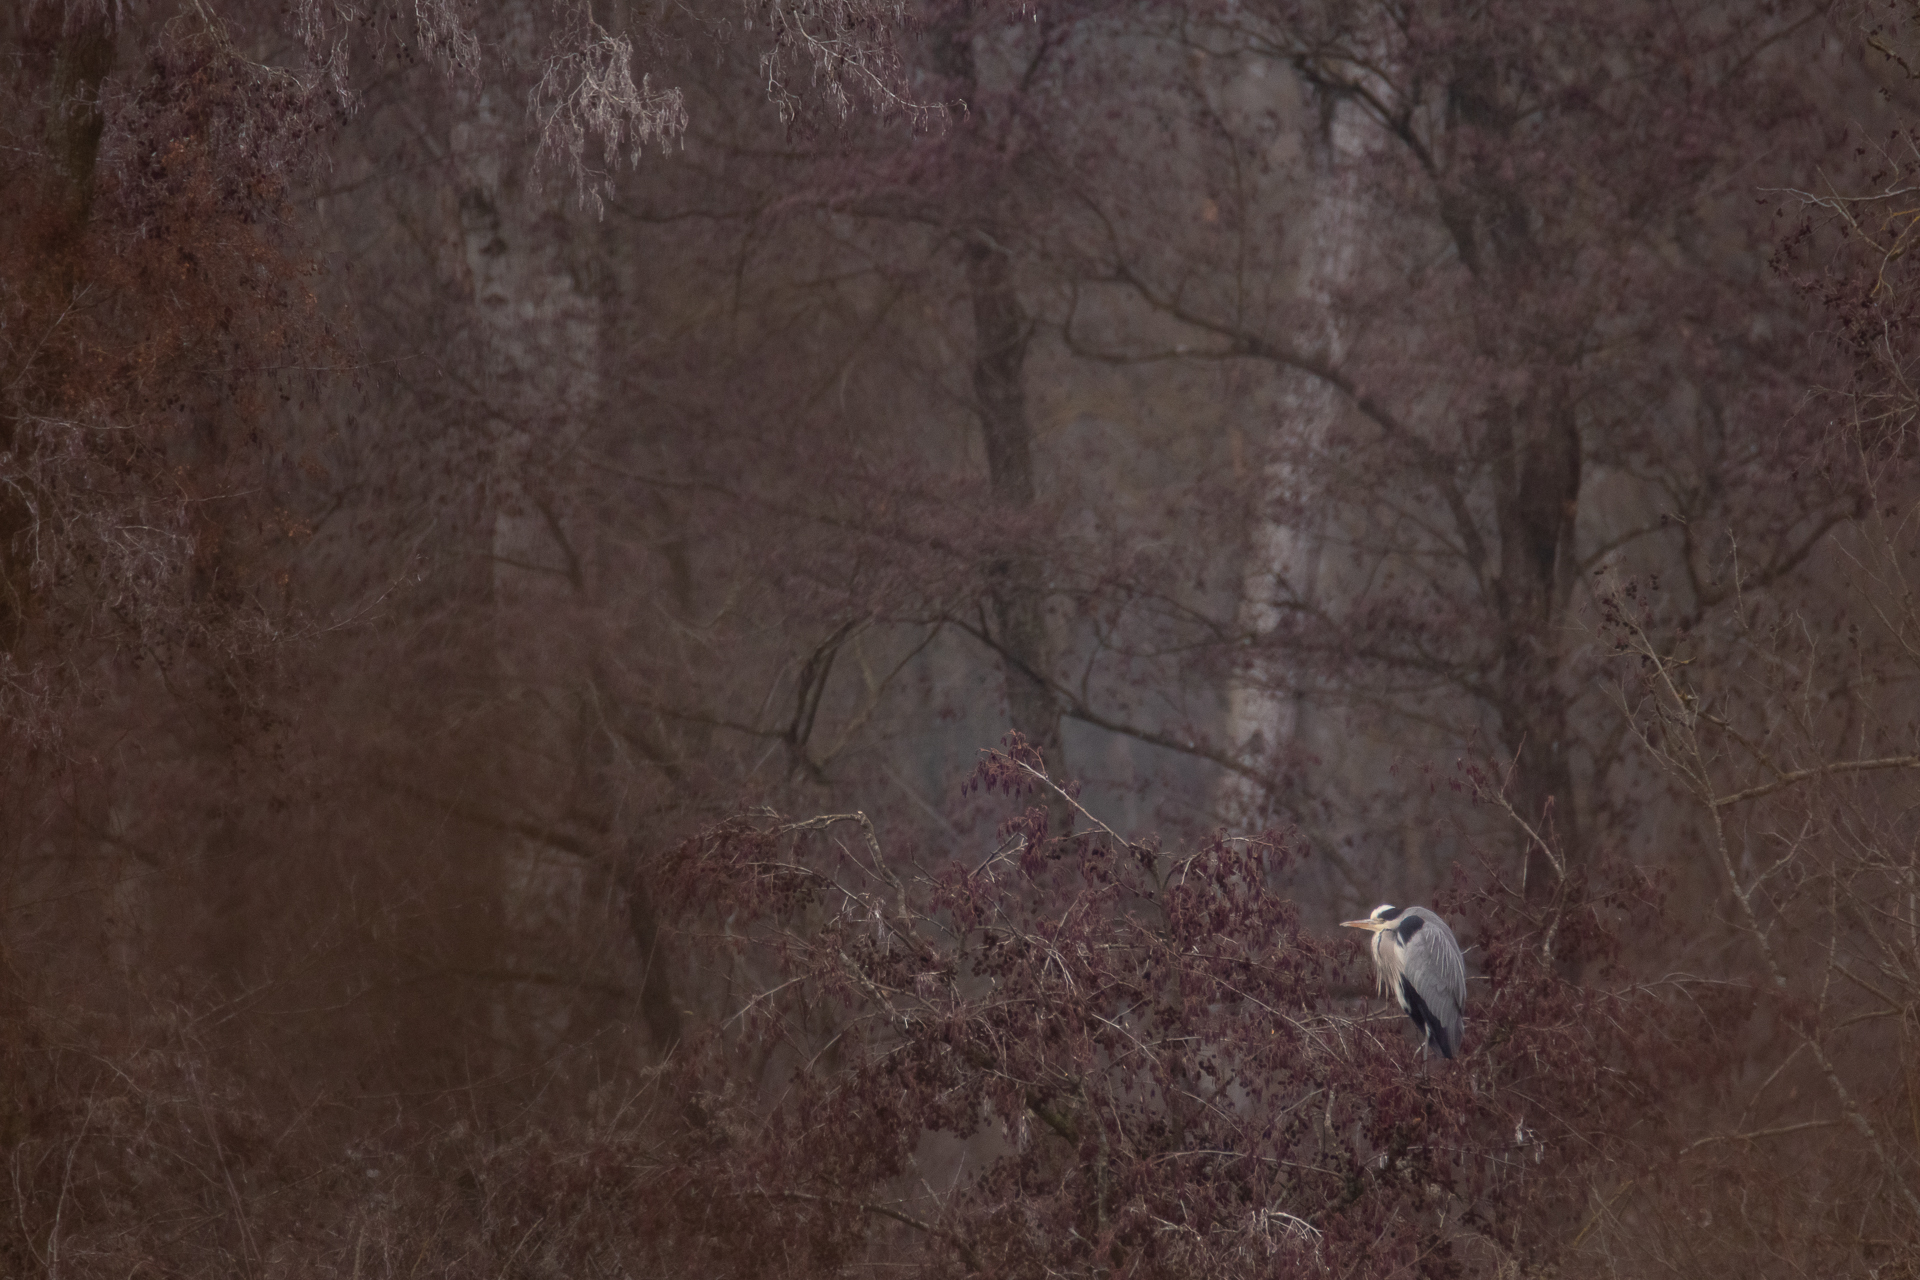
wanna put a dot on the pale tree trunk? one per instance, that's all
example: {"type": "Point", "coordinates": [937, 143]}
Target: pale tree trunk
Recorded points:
{"type": "Point", "coordinates": [1267, 727]}
{"type": "Point", "coordinates": [538, 340]}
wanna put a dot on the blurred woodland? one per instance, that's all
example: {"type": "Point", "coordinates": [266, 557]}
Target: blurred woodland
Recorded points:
{"type": "Point", "coordinates": [766, 638]}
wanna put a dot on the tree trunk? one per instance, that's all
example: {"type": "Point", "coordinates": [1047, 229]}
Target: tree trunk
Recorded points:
{"type": "Point", "coordinates": [1018, 582]}
{"type": "Point", "coordinates": [537, 348]}
{"type": "Point", "coordinates": [1286, 556]}
{"type": "Point", "coordinates": [1001, 330]}
{"type": "Point", "coordinates": [1537, 474]}
{"type": "Point", "coordinates": [80, 53]}
{"type": "Point", "coordinates": [1537, 492]}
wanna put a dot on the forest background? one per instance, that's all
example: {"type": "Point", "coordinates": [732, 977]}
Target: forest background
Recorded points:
{"type": "Point", "coordinates": [768, 638]}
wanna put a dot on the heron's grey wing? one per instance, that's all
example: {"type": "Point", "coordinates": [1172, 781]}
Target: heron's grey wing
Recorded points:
{"type": "Point", "coordinates": [1435, 967]}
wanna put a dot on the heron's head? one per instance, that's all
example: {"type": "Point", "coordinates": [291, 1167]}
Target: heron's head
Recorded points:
{"type": "Point", "coordinates": [1384, 916]}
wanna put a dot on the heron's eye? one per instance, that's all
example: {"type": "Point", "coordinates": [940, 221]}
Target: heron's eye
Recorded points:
{"type": "Point", "coordinates": [1388, 913]}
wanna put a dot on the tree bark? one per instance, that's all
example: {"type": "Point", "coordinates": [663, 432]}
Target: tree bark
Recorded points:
{"type": "Point", "coordinates": [1537, 476]}
{"type": "Point", "coordinates": [1001, 329]}
{"type": "Point", "coordinates": [80, 53]}
{"type": "Point", "coordinates": [537, 349]}
{"type": "Point", "coordinates": [1018, 581]}
{"type": "Point", "coordinates": [1537, 490]}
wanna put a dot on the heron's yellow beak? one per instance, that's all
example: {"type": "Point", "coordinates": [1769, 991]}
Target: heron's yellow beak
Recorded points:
{"type": "Point", "coordinates": [1371, 926]}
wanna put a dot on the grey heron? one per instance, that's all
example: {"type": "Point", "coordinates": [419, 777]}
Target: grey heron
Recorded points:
{"type": "Point", "coordinates": [1419, 964]}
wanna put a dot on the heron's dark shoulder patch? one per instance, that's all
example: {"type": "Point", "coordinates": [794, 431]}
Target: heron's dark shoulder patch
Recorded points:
{"type": "Point", "coordinates": [1408, 927]}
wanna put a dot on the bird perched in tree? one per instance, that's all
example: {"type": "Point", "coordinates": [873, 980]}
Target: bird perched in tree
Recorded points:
{"type": "Point", "coordinates": [1419, 964]}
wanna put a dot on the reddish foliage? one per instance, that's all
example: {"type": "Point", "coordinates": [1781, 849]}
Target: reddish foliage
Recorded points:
{"type": "Point", "coordinates": [1157, 1067]}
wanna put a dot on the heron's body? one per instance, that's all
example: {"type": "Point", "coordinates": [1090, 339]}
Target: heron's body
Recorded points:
{"type": "Point", "coordinates": [1419, 964]}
